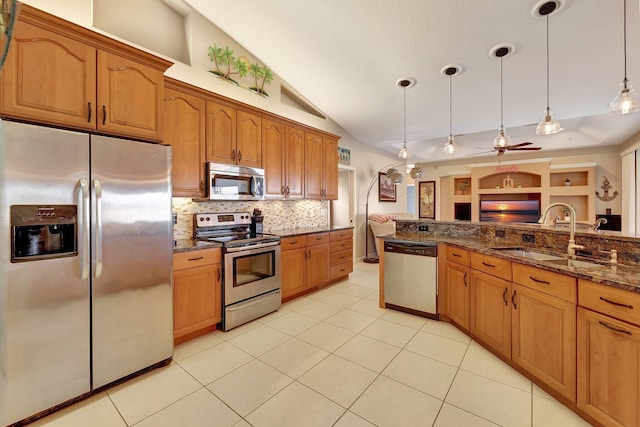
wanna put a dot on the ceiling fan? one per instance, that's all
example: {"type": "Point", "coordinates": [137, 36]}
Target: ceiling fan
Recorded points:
{"type": "Point", "coordinates": [523, 146]}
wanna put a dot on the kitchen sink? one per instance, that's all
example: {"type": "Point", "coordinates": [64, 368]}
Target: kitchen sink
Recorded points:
{"type": "Point", "coordinates": [527, 253]}
{"type": "Point", "coordinates": [576, 263]}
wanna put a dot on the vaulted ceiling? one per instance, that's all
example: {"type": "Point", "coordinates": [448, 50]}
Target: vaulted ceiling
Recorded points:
{"type": "Point", "coordinates": [345, 57]}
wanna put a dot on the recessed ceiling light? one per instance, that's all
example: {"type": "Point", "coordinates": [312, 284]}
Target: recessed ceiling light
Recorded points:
{"type": "Point", "coordinates": [546, 7]}
{"type": "Point", "coordinates": [406, 82]}
{"type": "Point", "coordinates": [451, 70]}
{"type": "Point", "coordinates": [502, 50]}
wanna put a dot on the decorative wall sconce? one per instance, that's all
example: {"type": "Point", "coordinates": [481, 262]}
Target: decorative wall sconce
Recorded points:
{"type": "Point", "coordinates": [606, 186]}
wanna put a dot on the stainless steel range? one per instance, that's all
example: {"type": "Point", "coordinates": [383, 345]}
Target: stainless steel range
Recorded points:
{"type": "Point", "coordinates": [251, 266]}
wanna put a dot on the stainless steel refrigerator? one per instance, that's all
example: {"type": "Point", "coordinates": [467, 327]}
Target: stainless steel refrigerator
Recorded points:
{"type": "Point", "coordinates": [85, 279]}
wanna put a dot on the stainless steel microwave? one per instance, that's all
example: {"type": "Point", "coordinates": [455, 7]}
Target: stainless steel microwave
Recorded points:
{"type": "Point", "coordinates": [230, 182]}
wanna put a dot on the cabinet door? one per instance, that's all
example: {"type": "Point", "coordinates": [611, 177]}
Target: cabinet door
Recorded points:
{"type": "Point", "coordinates": [318, 265]}
{"type": "Point", "coordinates": [249, 140]}
{"type": "Point", "coordinates": [195, 305]}
{"type": "Point", "coordinates": [294, 162]}
{"type": "Point", "coordinates": [273, 158]}
{"type": "Point", "coordinates": [221, 133]}
{"type": "Point", "coordinates": [49, 78]}
{"type": "Point", "coordinates": [130, 97]}
{"type": "Point", "coordinates": [294, 278]}
{"type": "Point", "coordinates": [184, 130]}
{"type": "Point", "coordinates": [608, 369]}
{"type": "Point", "coordinates": [330, 157]}
{"type": "Point", "coordinates": [457, 302]}
{"type": "Point", "coordinates": [313, 166]}
{"type": "Point", "coordinates": [490, 311]}
{"type": "Point", "coordinates": [543, 338]}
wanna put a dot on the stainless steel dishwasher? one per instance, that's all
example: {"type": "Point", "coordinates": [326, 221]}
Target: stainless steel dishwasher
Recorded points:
{"type": "Point", "coordinates": [411, 277]}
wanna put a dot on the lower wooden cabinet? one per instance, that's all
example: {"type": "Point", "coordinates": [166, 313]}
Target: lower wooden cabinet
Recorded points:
{"type": "Point", "coordinates": [197, 293]}
{"type": "Point", "coordinates": [490, 311]}
{"type": "Point", "coordinates": [608, 369]}
{"type": "Point", "coordinates": [458, 278]}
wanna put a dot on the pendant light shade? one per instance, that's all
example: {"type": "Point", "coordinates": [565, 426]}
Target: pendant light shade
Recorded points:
{"type": "Point", "coordinates": [502, 140]}
{"type": "Point", "coordinates": [405, 84]}
{"type": "Point", "coordinates": [626, 101]}
{"type": "Point", "coordinates": [548, 125]}
{"type": "Point", "coordinates": [450, 71]}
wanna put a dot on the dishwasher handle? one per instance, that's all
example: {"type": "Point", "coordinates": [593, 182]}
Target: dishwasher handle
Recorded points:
{"type": "Point", "coordinates": [417, 248]}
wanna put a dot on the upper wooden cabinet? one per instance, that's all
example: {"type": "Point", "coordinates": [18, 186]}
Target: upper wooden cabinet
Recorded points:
{"type": "Point", "coordinates": [321, 167]}
{"type": "Point", "coordinates": [59, 73]}
{"type": "Point", "coordinates": [184, 130]}
{"type": "Point", "coordinates": [283, 156]}
{"type": "Point", "coordinates": [233, 136]}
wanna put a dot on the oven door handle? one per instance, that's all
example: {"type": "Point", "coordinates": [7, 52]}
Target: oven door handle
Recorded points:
{"type": "Point", "coordinates": [249, 247]}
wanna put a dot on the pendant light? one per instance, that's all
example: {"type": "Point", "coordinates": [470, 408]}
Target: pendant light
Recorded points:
{"type": "Point", "coordinates": [450, 71]}
{"type": "Point", "coordinates": [548, 125]}
{"type": "Point", "coordinates": [502, 140]}
{"type": "Point", "coordinates": [405, 84]}
{"type": "Point", "coordinates": [626, 101]}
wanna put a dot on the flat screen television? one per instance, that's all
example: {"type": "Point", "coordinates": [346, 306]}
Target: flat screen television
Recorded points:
{"type": "Point", "coordinates": [510, 210]}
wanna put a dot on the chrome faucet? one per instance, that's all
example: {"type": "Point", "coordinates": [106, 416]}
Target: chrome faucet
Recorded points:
{"type": "Point", "coordinates": [599, 222]}
{"type": "Point", "coordinates": [571, 248]}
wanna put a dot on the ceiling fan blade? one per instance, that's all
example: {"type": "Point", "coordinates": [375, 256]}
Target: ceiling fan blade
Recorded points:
{"type": "Point", "coordinates": [478, 154]}
{"type": "Point", "coordinates": [526, 149]}
{"type": "Point", "coordinates": [522, 144]}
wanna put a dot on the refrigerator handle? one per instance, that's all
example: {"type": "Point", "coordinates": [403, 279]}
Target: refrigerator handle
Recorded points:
{"type": "Point", "coordinates": [98, 240]}
{"type": "Point", "coordinates": [84, 228]}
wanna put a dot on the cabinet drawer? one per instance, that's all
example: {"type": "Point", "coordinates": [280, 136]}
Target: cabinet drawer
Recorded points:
{"type": "Point", "coordinates": [341, 235]}
{"type": "Point", "coordinates": [544, 281]}
{"type": "Point", "coordinates": [495, 266]}
{"type": "Point", "coordinates": [294, 242]}
{"type": "Point", "coordinates": [461, 256]}
{"type": "Point", "coordinates": [182, 260]}
{"type": "Point", "coordinates": [618, 303]}
{"type": "Point", "coordinates": [340, 270]}
{"type": "Point", "coordinates": [317, 239]}
{"type": "Point", "coordinates": [341, 257]}
{"type": "Point", "coordinates": [341, 245]}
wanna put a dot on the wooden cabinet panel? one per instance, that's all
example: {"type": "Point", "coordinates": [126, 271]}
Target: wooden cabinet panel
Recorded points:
{"type": "Point", "coordinates": [495, 266]}
{"type": "Point", "coordinates": [313, 166]}
{"type": "Point", "coordinates": [49, 78]}
{"type": "Point", "coordinates": [221, 133]}
{"type": "Point", "coordinates": [341, 235]}
{"type": "Point", "coordinates": [330, 169]}
{"type": "Point", "coordinates": [190, 259]}
{"type": "Point", "coordinates": [339, 257]}
{"type": "Point", "coordinates": [249, 140]}
{"type": "Point", "coordinates": [618, 303]}
{"type": "Point", "coordinates": [457, 301]}
{"type": "Point", "coordinates": [130, 97]}
{"type": "Point", "coordinates": [293, 242]}
{"type": "Point", "coordinates": [545, 281]}
{"type": "Point", "coordinates": [544, 338]}
{"type": "Point", "coordinates": [184, 130]}
{"type": "Point", "coordinates": [294, 277]}
{"type": "Point", "coordinates": [273, 161]}
{"type": "Point", "coordinates": [340, 270]}
{"type": "Point", "coordinates": [341, 245]}
{"type": "Point", "coordinates": [490, 311]}
{"type": "Point", "coordinates": [457, 255]}
{"type": "Point", "coordinates": [294, 162]}
{"type": "Point", "coordinates": [318, 264]}
{"type": "Point", "coordinates": [608, 369]}
{"type": "Point", "coordinates": [317, 238]}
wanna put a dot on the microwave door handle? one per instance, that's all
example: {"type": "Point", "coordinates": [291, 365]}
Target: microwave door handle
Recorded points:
{"type": "Point", "coordinates": [254, 186]}
{"type": "Point", "coordinates": [98, 240]}
{"type": "Point", "coordinates": [83, 227]}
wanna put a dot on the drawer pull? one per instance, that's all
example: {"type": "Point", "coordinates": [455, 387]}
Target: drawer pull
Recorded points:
{"type": "Point", "coordinates": [619, 304]}
{"type": "Point", "coordinates": [513, 299]}
{"type": "Point", "coordinates": [504, 296]}
{"type": "Point", "coordinates": [456, 255]}
{"type": "Point", "coordinates": [486, 264]}
{"type": "Point", "coordinates": [613, 328]}
{"type": "Point", "coordinates": [196, 259]}
{"type": "Point", "coordinates": [295, 242]}
{"type": "Point", "coordinates": [342, 257]}
{"type": "Point", "coordinates": [219, 274]}
{"type": "Point", "coordinates": [318, 238]}
{"type": "Point", "coordinates": [464, 279]}
{"type": "Point", "coordinates": [544, 282]}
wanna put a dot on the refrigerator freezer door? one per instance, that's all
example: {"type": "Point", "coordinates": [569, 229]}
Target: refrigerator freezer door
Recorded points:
{"type": "Point", "coordinates": [44, 304]}
{"type": "Point", "coordinates": [132, 297]}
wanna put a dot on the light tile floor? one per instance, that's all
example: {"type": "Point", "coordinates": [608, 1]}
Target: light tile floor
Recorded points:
{"type": "Point", "coordinates": [331, 358]}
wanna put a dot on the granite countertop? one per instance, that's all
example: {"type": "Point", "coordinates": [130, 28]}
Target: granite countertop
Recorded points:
{"type": "Point", "coordinates": [185, 245]}
{"type": "Point", "coordinates": [287, 232]}
{"type": "Point", "coordinates": [619, 276]}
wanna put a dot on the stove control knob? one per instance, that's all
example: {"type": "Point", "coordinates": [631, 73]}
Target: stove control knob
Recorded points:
{"type": "Point", "coordinates": [201, 219]}
{"type": "Point", "coordinates": [208, 219]}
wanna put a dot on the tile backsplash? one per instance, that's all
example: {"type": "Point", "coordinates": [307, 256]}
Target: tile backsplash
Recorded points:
{"type": "Point", "coordinates": [278, 214]}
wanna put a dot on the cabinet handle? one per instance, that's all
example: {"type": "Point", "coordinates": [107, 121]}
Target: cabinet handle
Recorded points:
{"type": "Point", "coordinates": [201, 186]}
{"type": "Point", "coordinates": [239, 155]}
{"type": "Point", "coordinates": [309, 254]}
{"type": "Point", "coordinates": [619, 304]}
{"type": "Point", "coordinates": [613, 328]}
{"type": "Point", "coordinates": [504, 296]}
{"type": "Point", "coordinates": [544, 282]}
{"type": "Point", "coordinates": [196, 258]}
{"type": "Point", "coordinates": [233, 155]}
{"type": "Point", "coordinates": [464, 279]}
{"type": "Point", "coordinates": [104, 115]}
{"type": "Point", "coordinates": [288, 191]}
{"type": "Point", "coordinates": [486, 264]}
{"type": "Point", "coordinates": [282, 190]}
{"type": "Point", "coordinates": [88, 112]}
{"type": "Point", "coordinates": [342, 257]}
{"type": "Point", "coordinates": [513, 299]}
{"type": "Point", "coordinates": [456, 255]}
{"type": "Point", "coordinates": [305, 255]}
{"type": "Point", "coordinates": [219, 274]}
{"type": "Point", "coordinates": [294, 242]}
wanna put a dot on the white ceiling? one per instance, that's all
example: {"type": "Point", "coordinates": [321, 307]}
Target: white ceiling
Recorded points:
{"type": "Point", "coordinates": [345, 56]}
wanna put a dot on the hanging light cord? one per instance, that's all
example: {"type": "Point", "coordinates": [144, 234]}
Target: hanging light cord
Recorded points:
{"type": "Point", "coordinates": [404, 122]}
{"type": "Point", "coordinates": [501, 101]}
{"type": "Point", "coordinates": [450, 104]}
{"type": "Point", "coordinates": [547, 112]}
{"type": "Point", "coordinates": [624, 26]}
